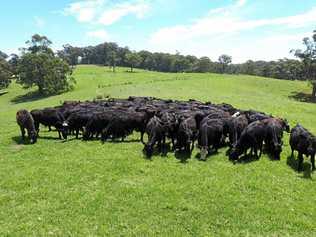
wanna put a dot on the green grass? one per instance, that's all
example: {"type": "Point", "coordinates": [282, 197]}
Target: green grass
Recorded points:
{"type": "Point", "coordinates": [78, 188]}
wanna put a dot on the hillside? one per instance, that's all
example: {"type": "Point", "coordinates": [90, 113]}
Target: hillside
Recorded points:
{"type": "Point", "coordinates": [87, 188]}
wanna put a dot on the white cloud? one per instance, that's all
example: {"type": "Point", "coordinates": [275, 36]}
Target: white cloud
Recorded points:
{"type": "Point", "coordinates": [39, 22]}
{"type": "Point", "coordinates": [105, 12]}
{"type": "Point", "coordinates": [225, 21]}
{"type": "Point", "coordinates": [241, 3]}
{"type": "Point", "coordinates": [98, 34]}
{"type": "Point", "coordinates": [84, 11]}
{"type": "Point", "coordinates": [224, 30]}
{"type": "Point", "coordinates": [139, 9]}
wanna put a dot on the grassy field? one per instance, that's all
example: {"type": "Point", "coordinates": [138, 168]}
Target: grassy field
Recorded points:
{"type": "Point", "coordinates": [76, 188]}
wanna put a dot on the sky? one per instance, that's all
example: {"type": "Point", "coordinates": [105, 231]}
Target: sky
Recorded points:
{"type": "Point", "coordinates": [244, 29]}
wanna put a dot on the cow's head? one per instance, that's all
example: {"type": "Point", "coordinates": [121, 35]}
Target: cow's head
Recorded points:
{"type": "Point", "coordinates": [277, 151]}
{"type": "Point", "coordinates": [33, 137]}
{"type": "Point", "coordinates": [148, 150]}
{"type": "Point", "coordinates": [235, 153]}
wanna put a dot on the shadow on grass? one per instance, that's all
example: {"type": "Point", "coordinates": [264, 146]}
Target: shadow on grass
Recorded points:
{"type": "Point", "coordinates": [302, 97]}
{"type": "Point", "coordinates": [182, 156]}
{"type": "Point", "coordinates": [306, 169]}
{"type": "Point", "coordinates": [245, 159]}
{"type": "Point", "coordinates": [48, 138]}
{"type": "Point", "coordinates": [28, 97]}
{"type": "Point", "coordinates": [18, 140]}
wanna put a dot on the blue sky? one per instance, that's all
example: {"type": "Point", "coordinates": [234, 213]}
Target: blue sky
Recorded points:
{"type": "Point", "coordinates": [245, 29]}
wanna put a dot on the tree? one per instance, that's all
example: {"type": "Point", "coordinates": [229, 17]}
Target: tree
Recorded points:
{"type": "Point", "coordinates": [39, 67]}
{"type": "Point", "coordinates": [133, 59]}
{"type": "Point", "coordinates": [204, 64]}
{"type": "Point", "coordinates": [70, 54]}
{"type": "Point", "coordinates": [224, 60]}
{"type": "Point", "coordinates": [5, 74]}
{"type": "Point", "coordinates": [39, 44]}
{"type": "Point", "coordinates": [13, 62]}
{"type": "Point", "coordinates": [308, 57]}
{"type": "Point", "coordinates": [112, 59]}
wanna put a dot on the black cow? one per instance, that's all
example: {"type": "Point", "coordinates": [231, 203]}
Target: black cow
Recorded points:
{"type": "Point", "coordinates": [77, 121]}
{"type": "Point", "coordinates": [119, 126]}
{"type": "Point", "coordinates": [304, 142]}
{"type": "Point", "coordinates": [97, 123]}
{"type": "Point", "coordinates": [237, 126]}
{"type": "Point", "coordinates": [187, 134]}
{"type": "Point", "coordinates": [156, 135]}
{"type": "Point", "coordinates": [210, 134]}
{"type": "Point", "coordinates": [252, 137]}
{"type": "Point", "coordinates": [50, 117]}
{"type": "Point", "coordinates": [274, 135]}
{"type": "Point", "coordinates": [171, 124]}
{"type": "Point", "coordinates": [25, 121]}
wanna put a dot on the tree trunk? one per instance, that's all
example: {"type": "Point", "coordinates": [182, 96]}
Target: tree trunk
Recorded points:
{"type": "Point", "coordinates": [40, 90]}
{"type": "Point", "coordinates": [314, 91]}
{"type": "Point", "coordinates": [132, 69]}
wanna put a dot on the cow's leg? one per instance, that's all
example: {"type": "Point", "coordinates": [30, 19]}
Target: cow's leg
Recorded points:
{"type": "Point", "coordinates": [255, 149]}
{"type": "Point", "coordinates": [36, 128]}
{"type": "Point", "coordinates": [142, 137]}
{"type": "Point", "coordinates": [97, 135]}
{"type": "Point", "coordinates": [59, 135]}
{"type": "Point", "coordinates": [192, 146]}
{"type": "Point", "coordinates": [300, 161]}
{"type": "Point", "coordinates": [163, 145]}
{"type": "Point", "coordinates": [260, 149]}
{"type": "Point", "coordinates": [251, 150]}
{"type": "Point", "coordinates": [22, 132]}
{"type": "Point", "coordinates": [159, 145]}
{"type": "Point", "coordinates": [172, 142]}
{"type": "Point", "coordinates": [77, 133]}
{"type": "Point", "coordinates": [203, 153]}
{"type": "Point", "coordinates": [313, 161]}
{"type": "Point", "coordinates": [49, 128]}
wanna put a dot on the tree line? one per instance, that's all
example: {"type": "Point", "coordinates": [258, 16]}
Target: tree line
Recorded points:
{"type": "Point", "coordinates": [51, 72]}
{"type": "Point", "coordinates": [112, 55]}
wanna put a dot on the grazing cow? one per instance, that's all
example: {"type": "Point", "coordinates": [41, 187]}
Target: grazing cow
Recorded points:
{"type": "Point", "coordinates": [210, 134]}
{"type": "Point", "coordinates": [97, 123]}
{"type": "Point", "coordinates": [119, 126]}
{"type": "Point", "coordinates": [25, 121]}
{"type": "Point", "coordinates": [237, 126]}
{"type": "Point", "coordinates": [156, 135]}
{"type": "Point", "coordinates": [137, 121]}
{"type": "Point", "coordinates": [274, 134]}
{"type": "Point", "coordinates": [170, 123]}
{"type": "Point", "coordinates": [50, 117]}
{"type": "Point", "coordinates": [252, 137]}
{"type": "Point", "coordinates": [77, 120]}
{"type": "Point", "coordinates": [304, 142]}
{"type": "Point", "coordinates": [273, 140]}
{"type": "Point", "coordinates": [187, 134]}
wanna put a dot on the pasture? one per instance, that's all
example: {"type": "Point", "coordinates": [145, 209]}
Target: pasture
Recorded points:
{"type": "Point", "coordinates": [76, 188]}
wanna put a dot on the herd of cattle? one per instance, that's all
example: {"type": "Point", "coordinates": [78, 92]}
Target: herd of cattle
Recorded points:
{"type": "Point", "coordinates": [183, 122]}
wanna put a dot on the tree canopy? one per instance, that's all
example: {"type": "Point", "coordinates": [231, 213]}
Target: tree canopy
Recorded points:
{"type": "Point", "coordinates": [133, 59]}
{"type": "Point", "coordinates": [38, 66]}
{"type": "Point", "coordinates": [308, 58]}
{"type": "Point", "coordinates": [5, 74]}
